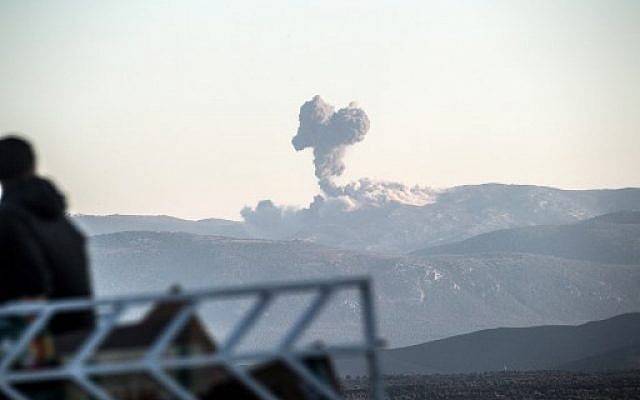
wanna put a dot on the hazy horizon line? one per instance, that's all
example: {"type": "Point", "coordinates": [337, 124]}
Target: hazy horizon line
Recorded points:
{"type": "Point", "coordinates": [196, 219]}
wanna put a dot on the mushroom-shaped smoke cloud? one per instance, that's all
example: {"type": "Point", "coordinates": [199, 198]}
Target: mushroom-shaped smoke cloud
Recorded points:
{"type": "Point", "coordinates": [329, 133]}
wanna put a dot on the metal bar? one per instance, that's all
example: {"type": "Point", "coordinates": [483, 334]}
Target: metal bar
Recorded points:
{"type": "Point", "coordinates": [94, 341]}
{"type": "Point", "coordinates": [91, 388]}
{"type": "Point", "coordinates": [27, 336]}
{"type": "Point", "coordinates": [11, 392]}
{"type": "Point", "coordinates": [38, 375]}
{"type": "Point", "coordinates": [78, 370]}
{"type": "Point", "coordinates": [111, 368]}
{"type": "Point", "coordinates": [161, 344]}
{"type": "Point", "coordinates": [371, 338]}
{"type": "Point", "coordinates": [304, 373]}
{"type": "Point", "coordinates": [250, 318]}
{"type": "Point", "coordinates": [203, 361]}
{"type": "Point", "coordinates": [170, 384]}
{"type": "Point", "coordinates": [231, 291]}
{"type": "Point", "coordinates": [170, 331]}
{"type": "Point", "coordinates": [305, 319]}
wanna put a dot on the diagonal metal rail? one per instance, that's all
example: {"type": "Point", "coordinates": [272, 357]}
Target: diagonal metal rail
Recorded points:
{"type": "Point", "coordinates": [83, 368]}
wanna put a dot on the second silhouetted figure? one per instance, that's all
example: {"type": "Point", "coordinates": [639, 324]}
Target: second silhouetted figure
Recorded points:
{"type": "Point", "coordinates": [42, 255]}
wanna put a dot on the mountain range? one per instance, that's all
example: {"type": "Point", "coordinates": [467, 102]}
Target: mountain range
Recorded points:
{"type": "Point", "coordinates": [481, 257]}
{"type": "Point", "coordinates": [456, 214]}
{"type": "Point", "coordinates": [608, 344]}
{"type": "Point", "coordinates": [418, 298]}
{"type": "Point", "coordinates": [104, 224]}
{"type": "Point", "coordinates": [611, 238]}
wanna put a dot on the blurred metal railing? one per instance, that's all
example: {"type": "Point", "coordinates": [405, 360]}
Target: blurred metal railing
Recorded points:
{"type": "Point", "coordinates": [81, 369]}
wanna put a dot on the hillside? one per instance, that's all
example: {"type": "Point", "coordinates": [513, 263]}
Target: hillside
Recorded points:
{"type": "Point", "coordinates": [462, 212]}
{"type": "Point", "coordinates": [624, 358]}
{"type": "Point", "coordinates": [611, 238]}
{"type": "Point", "coordinates": [512, 385]}
{"type": "Point", "coordinates": [533, 348]}
{"type": "Point", "coordinates": [104, 224]}
{"type": "Point", "coordinates": [455, 214]}
{"type": "Point", "coordinates": [419, 299]}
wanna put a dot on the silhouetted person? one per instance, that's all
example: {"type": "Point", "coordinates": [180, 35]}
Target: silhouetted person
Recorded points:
{"type": "Point", "coordinates": [42, 255]}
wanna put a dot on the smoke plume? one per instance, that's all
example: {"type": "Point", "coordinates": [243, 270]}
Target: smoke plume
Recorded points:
{"type": "Point", "coordinates": [329, 133]}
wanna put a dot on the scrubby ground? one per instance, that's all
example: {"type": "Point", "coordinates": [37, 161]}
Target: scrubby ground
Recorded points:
{"type": "Point", "coordinates": [547, 385]}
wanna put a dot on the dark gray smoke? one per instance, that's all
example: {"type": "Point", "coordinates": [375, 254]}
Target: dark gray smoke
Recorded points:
{"type": "Point", "coordinates": [329, 133]}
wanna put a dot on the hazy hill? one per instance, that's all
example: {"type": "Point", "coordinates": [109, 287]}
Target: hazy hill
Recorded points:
{"type": "Point", "coordinates": [462, 212]}
{"type": "Point", "coordinates": [103, 224]}
{"type": "Point", "coordinates": [456, 214]}
{"type": "Point", "coordinates": [612, 238]}
{"type": "Point", "coordinates": [624, 358]}
{"type": "Point", "coordinates": [419, 299]}
{"type": "Point", "coordinates": [594, 345]}
{"type": "Point", "coordinates": [619, 218]}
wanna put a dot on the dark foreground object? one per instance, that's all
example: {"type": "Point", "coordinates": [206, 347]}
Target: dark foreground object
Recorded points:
{"type": "Point", "coordinates": [547, 385]}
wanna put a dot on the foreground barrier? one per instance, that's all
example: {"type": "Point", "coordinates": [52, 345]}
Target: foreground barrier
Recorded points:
{"type": "Point", "coordinates": [89, 374]}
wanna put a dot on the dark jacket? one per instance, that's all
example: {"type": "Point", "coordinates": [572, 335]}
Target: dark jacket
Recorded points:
{"type": "Point", "coordinates": [41, 252]}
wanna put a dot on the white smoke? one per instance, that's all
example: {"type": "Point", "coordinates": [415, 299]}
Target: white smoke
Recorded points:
{"type": "Point", "coordinates": [366, 192]}
{"type": "Point", "coordinates": [272, 221]}
{"type": "Point", "coordinates": [329, 133]}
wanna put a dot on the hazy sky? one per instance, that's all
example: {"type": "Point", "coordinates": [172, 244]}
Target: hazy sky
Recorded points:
{"type": "Point", "coordinates": [188, 107]}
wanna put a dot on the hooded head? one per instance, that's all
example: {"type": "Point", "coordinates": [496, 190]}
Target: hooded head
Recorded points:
{"type": "Point", "coordinates": [17, 159]}
{"type": "Point", "coordinates": [20, 186]}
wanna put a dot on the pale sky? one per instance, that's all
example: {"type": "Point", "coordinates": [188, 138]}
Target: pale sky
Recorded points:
{"type": "Point", "coordinates": [187, 108]}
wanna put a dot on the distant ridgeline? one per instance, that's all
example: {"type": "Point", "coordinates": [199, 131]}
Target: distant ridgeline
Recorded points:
{"type": "Point", "coordinates": [568, 271]}
{"type": "Point", "coordinates": [611, 238]}
{"type": "Point", "coordinates": [612, 344]}
{"type": "Point", "coordinates": [456, 214]}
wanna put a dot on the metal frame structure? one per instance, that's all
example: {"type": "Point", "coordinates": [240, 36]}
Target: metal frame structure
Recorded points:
{"type": "Point", "coordinates": [80, 369]}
